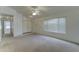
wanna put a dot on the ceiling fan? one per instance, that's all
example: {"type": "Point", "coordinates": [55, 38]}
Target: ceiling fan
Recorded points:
{"type": "Point", "coordinates": [35, 10]}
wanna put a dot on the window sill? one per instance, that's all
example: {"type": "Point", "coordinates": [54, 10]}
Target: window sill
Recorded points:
{"type": "Point", "coordinates": [56, 32]}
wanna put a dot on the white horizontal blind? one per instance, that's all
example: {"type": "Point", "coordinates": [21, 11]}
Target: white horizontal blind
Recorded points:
{"type": "Point", "coordinates": [55, 25]}
{"type": "Point", "coordinates": [61, 25]}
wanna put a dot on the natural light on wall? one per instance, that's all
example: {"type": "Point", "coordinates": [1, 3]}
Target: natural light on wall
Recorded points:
{"type": "Point", "coordinates": [55, 25]}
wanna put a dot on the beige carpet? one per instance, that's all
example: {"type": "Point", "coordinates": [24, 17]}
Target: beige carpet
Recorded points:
{"type": "Point", "coordinates": [36, 43]}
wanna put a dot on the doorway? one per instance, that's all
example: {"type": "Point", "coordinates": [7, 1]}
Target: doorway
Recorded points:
{"type": "Point", "coordinates": [6, 26]}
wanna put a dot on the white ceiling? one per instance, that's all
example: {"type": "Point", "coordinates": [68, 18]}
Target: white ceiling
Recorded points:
{"type": "Point", "coordinates": [45, 11]}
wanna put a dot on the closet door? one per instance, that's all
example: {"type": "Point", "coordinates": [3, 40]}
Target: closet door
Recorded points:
{"type": "Point", "coordinates": [26, 25]}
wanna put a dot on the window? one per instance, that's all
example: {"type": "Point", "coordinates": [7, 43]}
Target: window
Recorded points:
{"type": "Point", "coordinates": [55, 25]}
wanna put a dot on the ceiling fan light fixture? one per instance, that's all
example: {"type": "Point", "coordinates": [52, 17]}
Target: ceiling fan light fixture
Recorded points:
{"type": "Point", "coordinates": [35, 11]}
{"type": "Point", "coordinates": [34, 14]}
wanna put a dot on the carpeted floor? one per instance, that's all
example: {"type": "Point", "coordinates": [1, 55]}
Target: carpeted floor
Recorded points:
{"type": "Point", "coordinates": [36, 43]}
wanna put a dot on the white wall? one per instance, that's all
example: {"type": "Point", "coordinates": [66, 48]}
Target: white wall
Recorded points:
{"type": "Point", "coordinates": [0, 31]}
{"type": "Point", "coordinates": [72, 26]}
{"type": "Point", "coordinates": [17, 19]}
